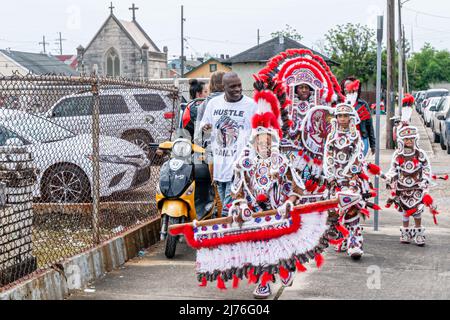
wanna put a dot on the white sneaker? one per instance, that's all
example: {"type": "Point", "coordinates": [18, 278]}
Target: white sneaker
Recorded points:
{"type": "Point", "coordinates": [262, 292]}
{"type": "Point", "coordinates": [419, 238]}
{"type": "Point", "coordinates": [405, 237]}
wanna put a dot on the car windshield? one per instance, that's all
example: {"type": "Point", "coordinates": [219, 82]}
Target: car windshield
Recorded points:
{"type": "Point", "coordinates": [37, 128]}
{"type": "Point", "coordinates": [436, 94]}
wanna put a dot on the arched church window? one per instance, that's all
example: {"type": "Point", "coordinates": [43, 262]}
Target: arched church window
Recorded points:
{"type": "Point", "coordinates": [112, 63]}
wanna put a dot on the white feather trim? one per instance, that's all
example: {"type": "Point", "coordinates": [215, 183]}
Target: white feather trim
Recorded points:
{"type": "Point", "coordinates": [261, 253]}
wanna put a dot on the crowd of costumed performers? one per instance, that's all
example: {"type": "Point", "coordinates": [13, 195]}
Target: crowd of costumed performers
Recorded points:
{"type": "Point", "coordinates": [409, 178]}
{"type": "Point", "coordinates": [300, 185]}
{"type": "Point", "coordinates": [272, 229]}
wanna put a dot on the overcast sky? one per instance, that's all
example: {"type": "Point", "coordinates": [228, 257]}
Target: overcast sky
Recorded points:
{"type": "Point", "coordinates": [215, 27]}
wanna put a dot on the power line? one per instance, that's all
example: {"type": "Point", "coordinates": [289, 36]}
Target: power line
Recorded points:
{"type": "Point", "coordinates": [426, 13]}
{"type": "Point", "coordinates": [218, 41]}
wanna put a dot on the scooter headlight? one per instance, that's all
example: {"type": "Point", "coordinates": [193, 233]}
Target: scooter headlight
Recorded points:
{"type": "Point", "coordinates": [182, 149]}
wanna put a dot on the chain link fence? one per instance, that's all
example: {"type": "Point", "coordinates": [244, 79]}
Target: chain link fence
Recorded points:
{"type": "Point", "coordinates": [77, 164]}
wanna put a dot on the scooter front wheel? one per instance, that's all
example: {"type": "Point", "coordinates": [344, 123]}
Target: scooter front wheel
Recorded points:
{"type": "Point", "coordinates": [171, 241]}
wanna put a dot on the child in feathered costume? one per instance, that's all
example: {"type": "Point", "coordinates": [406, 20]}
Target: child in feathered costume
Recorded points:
{"type": "Point", "coordinates": [265, 179]}
{"type": "Point", "coordinates": [346, 170]}
{"type": "Point", "coordinates": [409, 178]}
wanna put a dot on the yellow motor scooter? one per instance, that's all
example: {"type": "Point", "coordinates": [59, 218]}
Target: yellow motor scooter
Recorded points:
{"type": "Point", "coordinates": [185, 192]}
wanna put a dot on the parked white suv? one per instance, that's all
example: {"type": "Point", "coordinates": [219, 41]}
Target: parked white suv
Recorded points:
{"type": "Point", "coordinates": [140, 116]}
{"type": "Point", "coordinates": [64, 160]}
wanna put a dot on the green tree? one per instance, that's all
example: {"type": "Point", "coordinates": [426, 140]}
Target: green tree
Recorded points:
{"type": "Point", "coordinates": [353, 46]}
{"type": "Point", "coordinates": [428, 66]}
{"type": "Point", "coordinates": [288, 32]}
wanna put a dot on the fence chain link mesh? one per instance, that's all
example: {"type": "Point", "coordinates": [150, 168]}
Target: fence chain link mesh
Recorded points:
{"type": "Point", "coordinates": [57, 134]}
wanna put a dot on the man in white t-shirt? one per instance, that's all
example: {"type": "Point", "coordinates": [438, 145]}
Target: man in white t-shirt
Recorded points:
{"type": "Point", "coordinates": [228, 117]}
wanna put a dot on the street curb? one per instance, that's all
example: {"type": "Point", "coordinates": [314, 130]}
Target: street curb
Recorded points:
{"type": "Point", "coordinates": [77, 272]}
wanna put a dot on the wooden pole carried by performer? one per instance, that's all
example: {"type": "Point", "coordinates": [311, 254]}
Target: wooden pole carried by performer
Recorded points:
{"type": "Point", "coordinates": [309, 207]}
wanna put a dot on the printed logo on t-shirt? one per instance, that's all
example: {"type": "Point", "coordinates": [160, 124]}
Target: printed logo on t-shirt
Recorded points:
{"type": "Point", "coordinates": [228, 132]}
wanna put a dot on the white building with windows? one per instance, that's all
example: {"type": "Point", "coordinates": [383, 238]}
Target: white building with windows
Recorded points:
{"type": "Point", "coordinates": [123, 49]}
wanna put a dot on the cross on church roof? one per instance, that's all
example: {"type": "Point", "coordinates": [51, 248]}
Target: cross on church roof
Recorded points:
{"type": "Point", "coordinates": [111, 8]}
{"type": "Point", "coordinates": [134, 8]}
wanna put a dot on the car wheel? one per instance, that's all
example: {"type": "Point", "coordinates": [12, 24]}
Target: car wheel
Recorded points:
{"type": "Point", "coordinates": [65, 183]}
{"type": "Point", "coordinates": [436, 138]}
{"type": "Point", "coordinates": [448, 148]}
{"type": "Point", "coordinates": [142, 140]}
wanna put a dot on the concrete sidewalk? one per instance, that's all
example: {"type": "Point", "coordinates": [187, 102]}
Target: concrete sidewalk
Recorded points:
{"type": "Point", "coordinates": [389, 270]}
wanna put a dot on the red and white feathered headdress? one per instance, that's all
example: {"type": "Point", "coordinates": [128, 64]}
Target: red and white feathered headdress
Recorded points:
{"type": "Point", "coordinates": [353, 86]}
{"type": "Point", "coordinates": [292, 68]}
{"type": "Point", "coordinates": [407, 110]}
{"type": "Point", "coordinates": [267, 119]}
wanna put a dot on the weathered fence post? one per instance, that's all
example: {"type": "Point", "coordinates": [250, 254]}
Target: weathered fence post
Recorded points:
{"type": "Point", "coordinates": [18, 179]}
{"type": "Point", "coordinates": [95, 160]}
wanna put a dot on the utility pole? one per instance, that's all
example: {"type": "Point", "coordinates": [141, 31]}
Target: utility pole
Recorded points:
{"type": "Point", "coordinates": [259, 37]}
{"type": "Point", "coordinates": [44, 43]}
{"type": "Point", "coordinates": [377, 125]}
{"type": "Point", "coordinates": [390, 94]}
{"type": "Point", "coordinates": [60, 41]}
{"type": "Point", "coordinates": [405, 65]}
{"type": "Point", "coordinates": [400, 58]}
{"type": "Point", "coordinates": [182, 41]}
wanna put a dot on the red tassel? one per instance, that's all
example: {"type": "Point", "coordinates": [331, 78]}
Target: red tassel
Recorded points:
{"type": "Point", "coordinates": [411, 212]}
{"type": "Point", "coordinates": [308, 184]}
{"type": "Point", "coordinates": [446, 177]}
{"type": "Point", "coordinates": [322, 189]}
{"type": "Point", "coordinates": [203, 283]}
{"type": "Point", "coordinates": [284, 274]}
{"type": "Point", "coordinates": [319, 260]}
{"type": "Point", "coordinates": [388, 205]}
{"type": "Point", "coordinates": [363, 176]}
{"type": "Point", "coordinates": [252, 278]}
{"type": "Point", "coordinates": [376, 207]}
{"type": "Point", "coordinates": [434, 177]}
{"type": "Point", "coordinates": [314, 187]}
{"type": "Point", "coordinates": [393, 194]}
{"type": "Point", "coordinates": [338, 189]}
{"type": "Point", "coordinates": [427, 200]}
{"type": "Point", "coordinates": [434, 219]}
{"type": "Point", "coordinates": [373, 194]}
{"type": "Point", "coordinates": [401, 160]}
{"type": "Point", "coordinates": [300, 267]}
{"type": "Point", "coordinates": [416, 162]}
{"type": "Point", "coordinates": [365, 212]}
{"type": "Point", "coordinates": [266, 277]}
{"type": "Point", "coordinates": [235, 281]}
{"type": "Point", "coordinates": [374, 169]}
{"type": "Point", "coordinates": [342, 230]}
{"type": "Point", "coordinates": [300, 153]}
{"type": "Point", "coordinates": [220, 283]}
{"type": "Point", "coordinates": [307, 159]}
